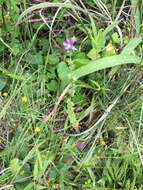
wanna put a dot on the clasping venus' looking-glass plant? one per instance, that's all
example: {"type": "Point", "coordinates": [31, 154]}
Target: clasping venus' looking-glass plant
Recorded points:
{"type": "Point", "coordinates": [68, 44]}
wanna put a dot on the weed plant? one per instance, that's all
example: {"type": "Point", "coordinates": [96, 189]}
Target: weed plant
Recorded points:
{"type": "Point", "coordinates": [71, 95]}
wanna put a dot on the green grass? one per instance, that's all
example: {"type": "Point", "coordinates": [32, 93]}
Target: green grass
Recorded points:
{"type": "Point", "coordinates": [93, 139]}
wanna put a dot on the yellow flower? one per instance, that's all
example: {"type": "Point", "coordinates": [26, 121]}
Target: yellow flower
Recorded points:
{"type": "Point", "coordinates": [22, 172]}
{"type": "Point", "coordinates": [24, 99]}
{"type": "Point", "coordinates": [43, 156]}
{"type": "Point", "coordinates": [103, 143]}
{"type": "Point", "coordinates": [56, 186]}
{"type": "Point", "coordinates": [37, 129]}
{"type": "Point", "coordinates": [5, 94]}
{"type": "Point", "coordinates": [0, 141]}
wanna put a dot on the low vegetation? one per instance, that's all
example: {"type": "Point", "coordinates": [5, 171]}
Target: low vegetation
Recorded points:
{"type": "Point", "coordinates": [71, 95]}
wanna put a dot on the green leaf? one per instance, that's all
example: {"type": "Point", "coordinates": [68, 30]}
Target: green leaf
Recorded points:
{"type": "Point", "coordinates": [29, 186]}
{"type": "Point", "coordinates": [52, 59]}
{"type": "Point", "coordinates": [51, 74]}
{"type": "Point", "coordinates": [36, 169]}
{"type": "Point", "coordinates": [100, 40]}
{"type": "Point", "coordinates": [110, 27]}
{"type": "Point", "coordinates": [63, 71]}
{"type": "Point", "coordinates": [14, 165]}
{"type": "Point", "coordinates": [2, 82]}
{"type": "Point", "coordinates": [103, 63]}
{"type": "Point", "coordinates": [110, 50]}
{"type": "Point", "coordinates": [80, 62]}
{"type": "Point", "coordinates": [126, 50]}
{"type": "Point", "coordinates": [115, 37]}
{"type": "Point", "coordinates": [80, 55]}
{"type": "Point", "coordinates": [52, 86]}
{"type": "Point", "coordinates": [1, 46]}
{"type": "Point", "coordinates": [41, 164]}
{"type": "Point", "coordinates": [35, 59]}
{"type": "Point", "coordinates": [40, 187]}
{"type": "Point", "coordinates": [15, 44]}
{"type": "Point", "coordinates": [94, 30]}
{"type": "Point", "coordinates": [131, 45]}
{"type": "Point", "coordinates": [79, 99]}
{"type": "Point", "coordinates": [86, 111]}
{"type": "Point", "coordinates": [93, 54]}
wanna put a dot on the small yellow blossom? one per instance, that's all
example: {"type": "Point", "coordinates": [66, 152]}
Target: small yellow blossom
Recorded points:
{"type": "Point", "coordinates": [24, 99]}
{"type": "Point", "coordinates": [103, 143]}
{"type": "Point", "coordinates": [56, 186]}
{"type": "Point", "coordinates": [22, 172]}
{"type": "Point", "coordinates": [0, 141]}
{"type": "Point", "coordinates": [5, 94]}
{"type": "Point", "coordinates": [43, 156]}
{"type": "Point", "coordinates": [37, 129]}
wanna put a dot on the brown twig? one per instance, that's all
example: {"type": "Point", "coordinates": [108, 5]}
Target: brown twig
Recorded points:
{"type": "Point", "coordinates": [58, 102]}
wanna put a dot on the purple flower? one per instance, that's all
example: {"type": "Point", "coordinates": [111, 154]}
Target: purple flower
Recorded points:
{"type": "Point", "coordinates": [68, 44]}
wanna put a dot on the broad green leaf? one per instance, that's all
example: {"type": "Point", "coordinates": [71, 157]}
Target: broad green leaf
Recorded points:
{"type": "Point", "coordinates": [52, 60]}
{"type": "Point", "coordinates": [126, 50]}
{"type": "Point", "coordinates": [131, 46]}
{"type": "Point", "coordinates": [103, 63]}
{"type": "Point", "coordinates": [63, 71]}
{"type": "Point", "coordinates": [113, 70]}
{"type": "Point", "coordinates": [80, 62]}
{"type": "Point", "coordinates": [52, 86]}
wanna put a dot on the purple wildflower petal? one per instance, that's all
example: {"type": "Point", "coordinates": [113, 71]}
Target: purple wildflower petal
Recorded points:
{"type": "Point", "coordinates": [68, 44]}
{"type": "Point", "coordinates": [72, 42]}
{"type": "Point", "coordinates": [64, 43]}
{"type": "Point", "coordinates": [68, 40]}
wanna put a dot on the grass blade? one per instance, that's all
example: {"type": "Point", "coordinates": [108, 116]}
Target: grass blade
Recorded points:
{"type": "Point", "coordinates": [110, 27]}
{"type": "Point", "coordinates": [47, 5]}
